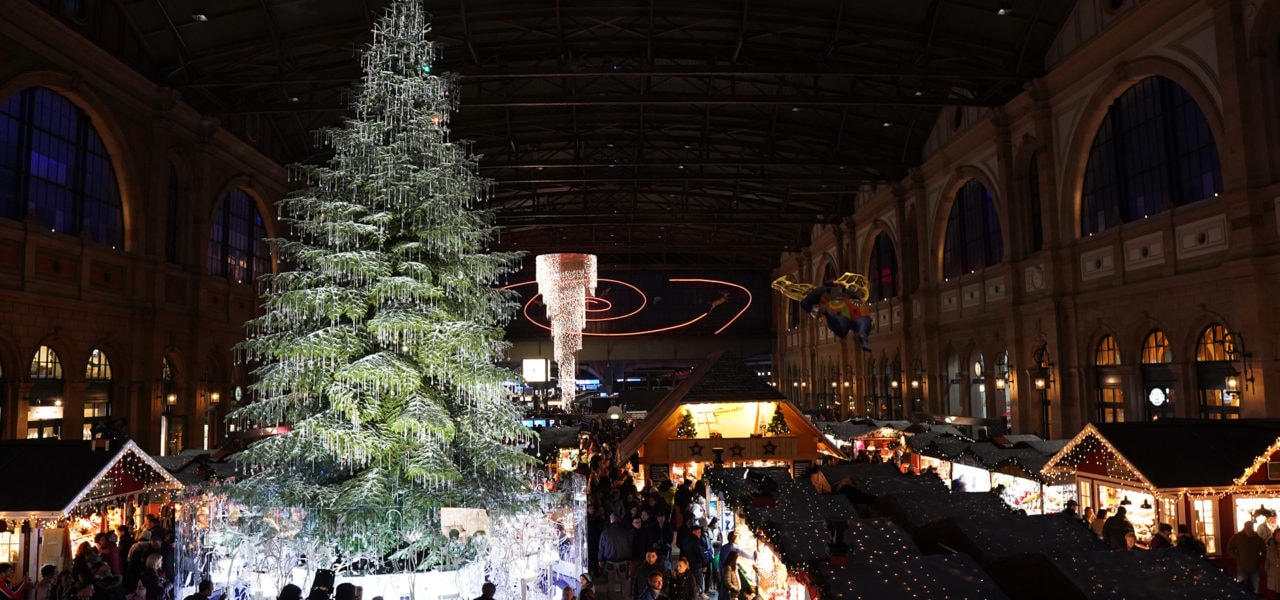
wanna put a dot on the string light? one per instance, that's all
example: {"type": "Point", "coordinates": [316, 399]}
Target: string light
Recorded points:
{"type": "Point", "coordinates": [600, 309]}
{"type": "Point", "coordinates": [565, 281]}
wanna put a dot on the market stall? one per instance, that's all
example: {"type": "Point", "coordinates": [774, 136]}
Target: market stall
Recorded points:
{"type": "Point", "coordinates": [69, 492]}
{"type": "Point", "coordinates": [1015, 471]}
{"type": "Point", "coordinates": [724, 415]}
{"type": "Point", "coordinates": [1213, 479]}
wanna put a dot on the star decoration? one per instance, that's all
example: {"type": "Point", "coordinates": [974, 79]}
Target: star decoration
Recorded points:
{"type": "Point", "coordinates": [770, 447]}
{"type": "Point", "coordinates": [737, 449]}
{"type": "Point", "coordinates": [695, 449]}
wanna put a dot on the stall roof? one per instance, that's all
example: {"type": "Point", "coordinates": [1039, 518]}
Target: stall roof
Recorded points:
{"type": "Point", "coordinates": [876, 479]}
{"type": "Point", "coordinates": [57, 475]}
{"type": "Point", "coordinates": [718, 379]}
{"type": "Point", "coordinates": [945, 446]}
{"type": "Point", "coordinates": [197, 467]}
{"type": "Point", "coordinates": [1181, 453]}
{"type": "Point", "coordinates": [913, 576]}
{"type": "Point", "coordinates": [1026, 458]}
{"type": "Point", "coordinates": [923, 439]}
{"type": "Point", "coordinates": [1166, 573]}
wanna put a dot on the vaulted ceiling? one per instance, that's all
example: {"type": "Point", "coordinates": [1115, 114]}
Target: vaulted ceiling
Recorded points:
{"type": "Point", "coordinates": [659, 134]}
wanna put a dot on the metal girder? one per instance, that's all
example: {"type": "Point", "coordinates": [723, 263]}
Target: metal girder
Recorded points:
{"type": "Point", "coordinates": [905, 100]}
{"type": "Point", "coordinates": [705, 133]}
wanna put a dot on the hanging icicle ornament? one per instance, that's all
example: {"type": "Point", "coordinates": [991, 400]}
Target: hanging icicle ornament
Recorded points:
{"type": "Point", "coordinates": [565, 280]}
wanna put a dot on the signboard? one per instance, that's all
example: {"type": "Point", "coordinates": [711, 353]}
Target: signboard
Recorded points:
{"type": "Point", "coordinates": [659, 473]}
{"type": "Point", "coordinates": [535, 369]}
{"type": "Point", "coordinates": [467, 521]}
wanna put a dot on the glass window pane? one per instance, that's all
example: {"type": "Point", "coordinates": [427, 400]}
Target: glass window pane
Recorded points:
{"type": "Point", "coordinates": [1153, 151]}
{"type": "Point", "coordinates": [52, 159]}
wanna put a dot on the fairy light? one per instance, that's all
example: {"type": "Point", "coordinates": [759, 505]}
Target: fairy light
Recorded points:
{"type": "Point", "coordinates": [565, 281]}
{"type": "Point", "coordinates": [601, 309]}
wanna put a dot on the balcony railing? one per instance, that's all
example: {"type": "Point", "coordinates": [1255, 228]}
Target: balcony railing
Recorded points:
{"type": "Point", "coordinates": [773, 447]}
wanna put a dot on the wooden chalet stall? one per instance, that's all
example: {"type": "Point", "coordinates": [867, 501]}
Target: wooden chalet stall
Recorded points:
{"type": "Point", "coordinates": [63, 493]}
{"type": "Point", "coordinates": [1210, 475]}
{"type": "Point", "coordinates": [726, 411]}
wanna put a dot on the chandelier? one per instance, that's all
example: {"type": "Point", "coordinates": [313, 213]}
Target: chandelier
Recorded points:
{"type": "Point", "coordinates": [565, 281]}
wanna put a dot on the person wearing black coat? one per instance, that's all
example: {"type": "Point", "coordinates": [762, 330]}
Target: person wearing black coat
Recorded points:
{"type": "Point", "coordinates": [682, 585]}
{"type": "Point", "coordinates": [697, 549]}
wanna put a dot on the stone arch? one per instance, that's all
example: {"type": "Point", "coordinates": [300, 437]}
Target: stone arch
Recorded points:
{"type": "Point", "coordinates": [115, 355]}
{"type": "Point", "coordinates": [1118, 82]}
{"type": "Point", "coordinates": [938, 230]}
{"type": "Point", "coordinates": [65, 351]}
{"type": "Point", "coordinates": [250, 187]}
{"type": "Point", "coordinates": [1019, 189]}
{"type": "Point", "coordinates": [820, 267]}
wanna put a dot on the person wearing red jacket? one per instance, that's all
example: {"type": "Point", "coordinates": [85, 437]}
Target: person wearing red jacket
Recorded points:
{"type": "Point", "coordinates": [6, 588]}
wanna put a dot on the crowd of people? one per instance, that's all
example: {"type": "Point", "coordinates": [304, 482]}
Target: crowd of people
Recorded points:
{"type": "Point", "coordinates": [115, 566]}
{"type": "Point", "coordinates": [654, 542]}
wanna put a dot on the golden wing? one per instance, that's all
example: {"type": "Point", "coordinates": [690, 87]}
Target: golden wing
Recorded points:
{"type": "Point", "coordinates": [855, 284]}
{"type": "Point", "coordinates": [792, 290]}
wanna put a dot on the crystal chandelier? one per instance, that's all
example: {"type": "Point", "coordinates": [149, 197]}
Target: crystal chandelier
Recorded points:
{"type": "Point", "coordinates": [565, 281]}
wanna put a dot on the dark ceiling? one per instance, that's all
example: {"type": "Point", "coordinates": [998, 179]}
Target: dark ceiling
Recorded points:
{"type": "Point", "coordinates": [668, 134]}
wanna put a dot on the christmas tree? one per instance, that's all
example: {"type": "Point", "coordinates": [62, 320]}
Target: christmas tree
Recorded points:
{"type": "Point", "coordinates": [778, 425]}
{"type": "Point", "coordinates": [687, 428]}
{"type": "Point", "coordinates": [376, 351]}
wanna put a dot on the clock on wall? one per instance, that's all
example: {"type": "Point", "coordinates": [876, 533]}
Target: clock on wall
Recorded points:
{"type": "Point", "coordinates": [1156, 396]}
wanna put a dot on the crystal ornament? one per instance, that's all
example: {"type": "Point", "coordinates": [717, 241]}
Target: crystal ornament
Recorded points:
{"type": "Point", "coordinates": [565, 281]}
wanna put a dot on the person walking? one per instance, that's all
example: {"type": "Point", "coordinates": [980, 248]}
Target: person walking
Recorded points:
{"type": "Point", "coordinates": [1114, 528]}
{"type": "Point", "coordinates": [1249, 550]}
{"type": "Point", "coordinates": [1163, 537]}
{"type": "Point", "coordinates": [615, 559]}
{"type": "Point", "coordinates": [1098, 521]}
{"type": "Point", "coordinates": [681, 584]}
{"type": "Point", "coordinates": [654, 590]}
{"type": "Point", "coordinates": [1273, 564]}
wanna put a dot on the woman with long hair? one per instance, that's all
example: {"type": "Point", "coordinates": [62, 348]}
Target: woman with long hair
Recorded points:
{"type": "Point", "coordinates": [154, 579]}
{"type": "Point", "coordinates": [730, 583]}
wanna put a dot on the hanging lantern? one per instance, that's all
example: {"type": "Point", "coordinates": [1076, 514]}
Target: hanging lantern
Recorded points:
{"type": "Point", "coordinates": [565, 281]}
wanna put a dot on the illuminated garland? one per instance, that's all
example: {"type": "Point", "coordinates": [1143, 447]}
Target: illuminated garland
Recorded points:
{"type": "Point", "coordinates": [1258, 463]}
{"type": "Point", "coordinates": [565, 281]}
{"type": "Point", "coordinates": [597, 306]}
{"type": "Point", "coordinates": [1086, 442]}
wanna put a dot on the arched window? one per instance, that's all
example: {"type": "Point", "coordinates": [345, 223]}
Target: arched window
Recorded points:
{"type": "Point", "coordinates": [951, 385]}
{"type": "Point", "coordinates": [1157, 376]}
{"type": "Point", "coordinates": [973, 239]}
{"type": "Point", "coordinates": [1153, 151]}
{"type": "Point", "coordinates": [52, 162]}
{"type": "Point", "coordinates": [1216, 376]}
{"type": "Point", "coordinates": [1155, 349]}
{"type": "Point", "coordinates": [1035, 227]}
{"type": "Point", "coordinates": [171, 426]}
{"type": "Point", "coordinates": [1004, 381]}
{"type": "Point", "coordinates": [97, 401]}
{"type": "Point", "coordinates": [44, 400]}
{"type": "Point", "coordinates": [978, 393]}
{"type": "Point", "coordinates": [237, 240]}
{"type": "Point", "coordinates": [1106, 360]}
{"type": "Point", "coordinates": [882, 273]}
